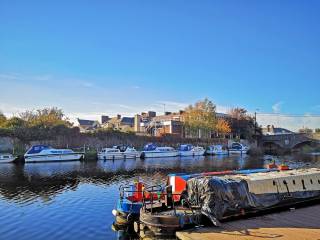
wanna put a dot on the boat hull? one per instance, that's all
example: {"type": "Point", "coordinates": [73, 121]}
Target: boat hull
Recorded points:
{"type": "Point", "coordinates": [118, 156]}
{"type": "Point", "coordinates": [233, 151]}
{"type": "Point", "coordinates": [191, 153]}
{"type": "Point", "coordinates": [209, 152]}
{"type": "Point", "coordinates": [8, 160]}
{"type": "Point", "coordinates": [155, 154]}
{"type": "Point", "coordinates": [54, 158]}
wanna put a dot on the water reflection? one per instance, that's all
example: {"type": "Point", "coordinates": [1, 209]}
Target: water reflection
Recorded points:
{"type": "Point", "coordinates": [76, 198]}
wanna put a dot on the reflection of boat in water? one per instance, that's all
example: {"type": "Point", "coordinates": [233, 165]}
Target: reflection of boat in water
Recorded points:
{"type": "Point", "coordinates": [217, 150]}
{"type": "Point", "coordinates": [187, 150]}
{"type": "Point", "coordinates": [44, 153]}
{"type": "Point", "coordinates": [153, 151]}
{"type": "Point", "coordinates": [7, 158]}
{"type": "Point", "coordinates": [118, 152]}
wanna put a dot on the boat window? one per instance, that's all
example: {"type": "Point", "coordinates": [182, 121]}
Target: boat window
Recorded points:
{"type": "Point", "coordinates": [6, 156]}
{"type": "Point", "coordinates": [56, 152]}
{"type": "Point", "coordinates": [304, 187]}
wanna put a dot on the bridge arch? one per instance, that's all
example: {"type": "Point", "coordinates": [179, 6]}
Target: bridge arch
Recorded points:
{"type": "Point", "coordinates": [271, 147]}
{"type": "Point", "coordinates": [302, 144]}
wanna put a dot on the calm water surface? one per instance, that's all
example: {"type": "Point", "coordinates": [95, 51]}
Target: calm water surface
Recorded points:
{"type": "Point", "coordinates": [74, 200]}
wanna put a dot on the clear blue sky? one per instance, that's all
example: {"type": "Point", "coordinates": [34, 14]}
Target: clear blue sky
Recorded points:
{"type": "Point", "coordinates": [92, 57]}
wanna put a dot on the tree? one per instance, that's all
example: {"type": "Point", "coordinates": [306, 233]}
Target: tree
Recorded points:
{"type": "Point", "coordinates": [238, 113]}
{"type": "Point", "coordinates": [3, 119]}
{"type": "Point", "coordinates": [242, 125]}
{"type": "Point", "coordinates": [45, 118]}
{"type": "Point", "coordinates": [200, 119]}
{"type": "Point", "coordinates": [317, 130]}
{"type": "Point", "coordinates": [14, 122]}
{"type": "Point", "coordinates": [223, 127]}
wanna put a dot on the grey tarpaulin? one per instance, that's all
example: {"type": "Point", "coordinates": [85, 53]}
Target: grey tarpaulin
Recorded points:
{"type": "Point", "coordinates": [220, 197]}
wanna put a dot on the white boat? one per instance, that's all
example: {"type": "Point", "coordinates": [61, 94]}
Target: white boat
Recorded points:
{"type": "Point", "coordinates": [217, 150]}
{"type": "Point", "coordinates": [238, 148]}
{"type": "Point", "coordinates": [44, 153]}
{"type": "Point", "coordinates": [7, 158]}
{"type": "Point", "coordinates": [118, 152]}
{"type": "Point", "coordinates": [186, 150]}
{"type": "Point", "coordinates": [152, 151]}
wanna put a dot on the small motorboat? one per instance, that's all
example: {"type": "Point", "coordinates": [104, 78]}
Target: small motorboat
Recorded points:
{"type": "Point", "coordinates": [238, 148]}
{"type": "Point", "coordinates": [45, 153]}
{"type": "Point", "coordinates": [153, 151]}
{"type": "Point", "coordinates": [118, 152]}
{"type": "Point", "coordinates": [187, 150]}
{"type": "Point", "coordinates": [7, 158]}
{"type": "Point", "coordinates": [217, 150]}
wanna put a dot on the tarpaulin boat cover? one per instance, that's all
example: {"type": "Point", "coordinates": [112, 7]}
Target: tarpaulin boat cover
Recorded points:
{"type": "Point", "coordinates": [221, 197]}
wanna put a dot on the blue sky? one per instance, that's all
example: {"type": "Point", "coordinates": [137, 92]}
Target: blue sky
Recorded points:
{"type": "Point", "coordinates": [95, 57]}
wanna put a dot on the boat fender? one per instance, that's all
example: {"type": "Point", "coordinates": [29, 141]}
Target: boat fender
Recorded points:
{"type": "Point", "coordinates": [130, 217]}
{"type": "Point", "coordinates": [114, 212]}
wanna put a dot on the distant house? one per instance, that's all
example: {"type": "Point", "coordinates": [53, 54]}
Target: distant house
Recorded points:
{"type": "Point", "coordinates": [169, 123]}
{"type": "Point", "coordinates": [271, 130]}
{"type": "Point", "coordinates": [124, 124]}
{"type": "Point", "coordinates": [88, 125]}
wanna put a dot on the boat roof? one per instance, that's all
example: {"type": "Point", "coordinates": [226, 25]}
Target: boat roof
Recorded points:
{"type": "Point", "coordinates": [38, 148]}
{"type": "Point", "coordinates": [275, 174]}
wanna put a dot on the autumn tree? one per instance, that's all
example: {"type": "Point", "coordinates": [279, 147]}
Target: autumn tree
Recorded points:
{"type": "Point", "coordinates": [222, 127]}
{"type": "Point", "coordinates": [200, 119]}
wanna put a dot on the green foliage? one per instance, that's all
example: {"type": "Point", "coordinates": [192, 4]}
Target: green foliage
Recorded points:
{"type": "Point", "coordinates": [317, 130]}
{"type": "Point", "coordinates": [41, 124]}
{"type": "Point", "coordinates": [3, 119]}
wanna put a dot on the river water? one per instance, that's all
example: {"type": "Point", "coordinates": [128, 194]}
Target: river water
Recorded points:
{"type": "Point", "coordinates": [74, 200]}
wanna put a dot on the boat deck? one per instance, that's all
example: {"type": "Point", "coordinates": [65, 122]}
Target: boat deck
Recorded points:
{"type": "Point", "coordinates": [302, 224]}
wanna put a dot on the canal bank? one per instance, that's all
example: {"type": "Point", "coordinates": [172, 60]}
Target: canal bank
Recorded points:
{"type": "Point", "coordinates": [295, 224]}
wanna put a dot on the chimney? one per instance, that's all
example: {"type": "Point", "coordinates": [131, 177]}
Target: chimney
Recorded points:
{"type": "Point", "coordinates": [104, 119]}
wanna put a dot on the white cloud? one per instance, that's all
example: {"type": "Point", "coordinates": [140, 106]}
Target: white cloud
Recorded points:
{"type": "Point", "coordinates": [276, 108]}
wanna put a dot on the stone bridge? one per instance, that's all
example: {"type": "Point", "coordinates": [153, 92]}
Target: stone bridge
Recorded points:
{"type": "Point", "coordinates": [288, 141]}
